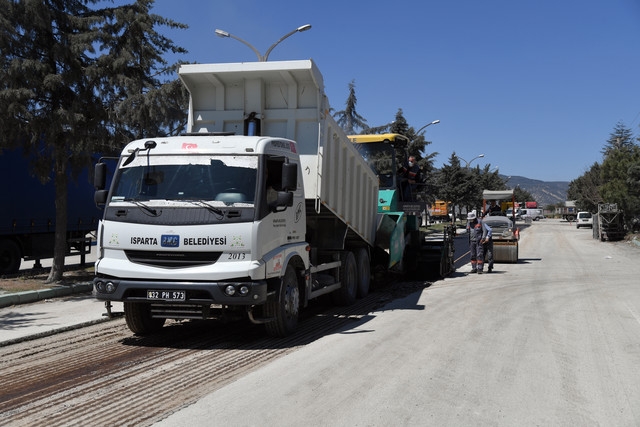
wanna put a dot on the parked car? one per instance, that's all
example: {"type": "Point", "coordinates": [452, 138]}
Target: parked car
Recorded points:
{"type": "Point", "coordinates": [584, 219]}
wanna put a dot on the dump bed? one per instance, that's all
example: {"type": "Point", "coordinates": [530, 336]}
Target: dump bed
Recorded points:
{"type": "Point", "coordinates": [286, 99]}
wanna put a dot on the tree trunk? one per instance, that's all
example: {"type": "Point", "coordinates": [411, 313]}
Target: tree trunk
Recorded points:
{"type": "Point", "coordinates": [60, 245]}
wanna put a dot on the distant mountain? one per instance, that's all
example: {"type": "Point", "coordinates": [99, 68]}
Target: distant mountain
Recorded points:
{"type": "Point", "coordinates": [545, 193]}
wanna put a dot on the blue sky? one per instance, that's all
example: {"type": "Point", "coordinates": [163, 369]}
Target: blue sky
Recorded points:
{"type": "Point", "coordinates": [535, 86]}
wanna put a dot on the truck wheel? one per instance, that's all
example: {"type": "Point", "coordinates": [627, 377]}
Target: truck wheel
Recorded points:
{"type": "Point", "coordinates": [285, 309]}
{"type": "Point", "coordinates": [347, 293]}
{"type": "Point", "coordinates": [364, 272]}
{"type": "Point", "coordinates": [9, 257]}
{"type": "Point", "coordinates": [139, 320]}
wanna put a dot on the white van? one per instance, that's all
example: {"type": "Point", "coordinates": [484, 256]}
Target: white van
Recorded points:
{"type": "Point", "coordinates": [534, 214]}
{"type": "Point", "coordinates": [585, 219]}
{"type": "Point", "coordinates": [509, 213]}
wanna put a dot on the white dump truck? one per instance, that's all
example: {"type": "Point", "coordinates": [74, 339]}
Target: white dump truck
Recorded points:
{"type": "Point", "coordinates": [224, 220]}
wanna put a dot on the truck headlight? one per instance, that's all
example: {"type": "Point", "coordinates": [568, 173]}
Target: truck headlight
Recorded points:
{"type": "Point", "coordinates": [105, 287]}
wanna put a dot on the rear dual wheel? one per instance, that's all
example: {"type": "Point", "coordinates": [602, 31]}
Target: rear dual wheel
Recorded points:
{"type": "Point", "coordinates": [364, 272]}
{"type": "Point", "coordinates": [348, 292]}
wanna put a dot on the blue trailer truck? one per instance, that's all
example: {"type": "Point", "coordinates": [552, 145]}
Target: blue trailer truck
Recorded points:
{"type": "Point", "coordinates": [28, 217]}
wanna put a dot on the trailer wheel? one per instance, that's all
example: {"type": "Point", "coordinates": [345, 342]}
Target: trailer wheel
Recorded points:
{"type": "Point", "coordinates": [139, 320]}
{"type": "Point", "coordinates": [9, 257]}
{"type": "Point", "coordinates": [285, 309]}
{"type": "Point", "coordinates": [347, 293]}
{"type": "Point", "coordinates": [364, 272]}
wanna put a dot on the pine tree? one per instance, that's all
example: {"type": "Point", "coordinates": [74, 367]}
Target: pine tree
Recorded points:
{"type": "Point", "coordinates": [349, 119]}
{"type": "Point", "coordinates": [75, 81]}
{"type": "Point", "coordinates": [620, 138]}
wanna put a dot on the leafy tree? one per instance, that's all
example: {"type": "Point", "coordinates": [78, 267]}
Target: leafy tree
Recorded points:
{"type": "Point", "coordinates": [349, 119]}
{"type": "Point", "coordinates": [417, 149]}
{"type": "Point", "coordinates": [615, 180]}
{"type": "Point", "coordinates": [490, 180]}
{"type": "Point", "coordinates": [457, 185]}
{"type": "Point", "coordinates": [585, 189]}
{"type": "Point", "coordinates": [522, 195]}
{"type": "Point", "coordinates": [619, 173]}
{"type": "Point", "coordinates": [77, 80]}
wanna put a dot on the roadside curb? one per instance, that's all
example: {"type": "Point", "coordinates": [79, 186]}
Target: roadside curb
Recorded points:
{"type": "Point", "coordinates": [17, 298]}
{"type": "Point", "coordinates": [55, 331]}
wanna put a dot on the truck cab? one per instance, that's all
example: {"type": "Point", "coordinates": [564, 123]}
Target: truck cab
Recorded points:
{"type": "Point", "coordinates": [386, 155]}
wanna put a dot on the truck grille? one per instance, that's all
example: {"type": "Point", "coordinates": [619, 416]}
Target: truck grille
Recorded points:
{"type": "Point", "coordinates": [172, 259]}
{"type": "Point", "coordinates": [179, 311]}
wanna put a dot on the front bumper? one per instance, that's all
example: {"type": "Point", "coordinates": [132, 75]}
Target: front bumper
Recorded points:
{"type": "Point", "coordinates": [200, 293]}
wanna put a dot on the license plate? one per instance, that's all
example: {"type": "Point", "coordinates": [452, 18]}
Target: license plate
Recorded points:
{"type": "Point", "coordinates": [166, 295]}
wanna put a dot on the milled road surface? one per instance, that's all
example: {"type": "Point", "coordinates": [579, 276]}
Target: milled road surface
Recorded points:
{"type": "Point", "coordinates": [101, 374]}
{"type": "Point", "coordinates": [551, 340]}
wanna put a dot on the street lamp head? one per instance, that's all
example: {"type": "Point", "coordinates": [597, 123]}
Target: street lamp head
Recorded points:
{"type": "Point", "coordinates": [303, 28]}
{"type": "Point", "coordinates": [480, 155]}
{"type": "Point", "coordinates": [435, 122]}
{"type": "Point", "coordinates": [221, 33]}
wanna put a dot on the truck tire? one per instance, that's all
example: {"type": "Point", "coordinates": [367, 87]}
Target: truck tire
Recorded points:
{"type": "Point", "coordinates": [139, 320]}
{"type": "Point", "coordinates": [286, 308]}
{"type": "Point", "coordinates": [347, 293]}
{"type": "Point", "coordinates": [9, 257]}
{"type": "Point", "coordinates": [364, 272]}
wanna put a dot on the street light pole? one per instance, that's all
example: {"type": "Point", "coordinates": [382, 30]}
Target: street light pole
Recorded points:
{"type": "Point", "coordinates": [469, 162]}
{"type": "Point", "coordinates": [435, 122]}
{"type": "Point", "coordinates": [263, 58]}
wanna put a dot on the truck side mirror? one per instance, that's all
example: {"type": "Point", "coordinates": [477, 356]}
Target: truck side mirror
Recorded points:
{"type": "Point", "coordinates": [289, 176]}
{"type": "Point", "coordinates": [100, 176]}
{"type": "Point", "coordinates": [284, 200]}
{"type": "Point", "coordinates": [100, 197]}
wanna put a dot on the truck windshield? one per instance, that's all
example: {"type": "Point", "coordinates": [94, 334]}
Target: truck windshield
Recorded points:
{"type": "Point", "coordinates": [224, 179]}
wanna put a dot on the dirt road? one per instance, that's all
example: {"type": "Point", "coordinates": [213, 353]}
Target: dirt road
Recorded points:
{"type": "Point", "coordinates": [552, 340]}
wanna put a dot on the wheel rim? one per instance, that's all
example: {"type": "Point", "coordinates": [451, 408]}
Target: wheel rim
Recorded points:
{"type": "Point", "coordinates": [291, 300]}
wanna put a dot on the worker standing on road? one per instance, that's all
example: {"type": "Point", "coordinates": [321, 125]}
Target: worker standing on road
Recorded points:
{"type": "Point", "coordinates": [487, 247]}
{"type": "Point", "coordinates": [479, 234]}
